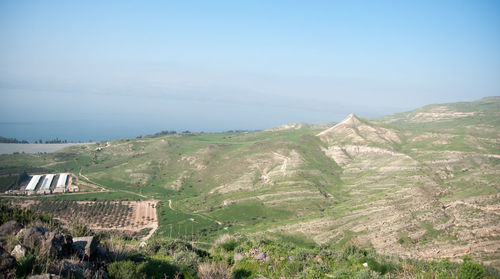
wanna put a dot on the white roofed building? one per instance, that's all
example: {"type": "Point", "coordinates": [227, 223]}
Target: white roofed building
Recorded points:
{"type": "Point", "coordinates": [61, 182]}
{"type": "Point", "coordinates": [33, 182]}
{"type": "Point", "coordinates": [47, 181]}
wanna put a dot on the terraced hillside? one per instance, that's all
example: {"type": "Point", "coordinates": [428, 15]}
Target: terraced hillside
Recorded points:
{"type": "Point", "coordinates": [423, 183]}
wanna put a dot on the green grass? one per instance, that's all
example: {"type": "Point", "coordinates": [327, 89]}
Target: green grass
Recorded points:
{"type": "Point", "coordinates": [100, 196]}
{"type": "Point", "coordinates": [300, 240]}
{"type": "Point", "coordinates": [430, 232]}
{"type": "Point", "coordinates": [248, 213]}
{"type": "Point", "coordinates": [175, 223]}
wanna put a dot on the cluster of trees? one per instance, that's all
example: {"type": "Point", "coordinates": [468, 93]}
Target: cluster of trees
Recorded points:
{"type": "Point", "coordinates": [56, 140]}
{"type": "Point", "coordinates": [11, 140]}
{"type": "Point", "coordinates": [21, 215]}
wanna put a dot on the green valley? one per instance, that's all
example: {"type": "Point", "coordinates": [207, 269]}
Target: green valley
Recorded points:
{"type": "Point", "coordinates": [422, 184]}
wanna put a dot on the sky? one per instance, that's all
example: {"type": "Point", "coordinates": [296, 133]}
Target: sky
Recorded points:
{"type": "Point", "coordinates": [81, 70]}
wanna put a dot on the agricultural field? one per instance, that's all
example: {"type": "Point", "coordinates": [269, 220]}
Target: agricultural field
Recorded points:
{"type": "Point", "coordinates": [123, 216]}
{"type": "Point", "coordinates": [419, 184]}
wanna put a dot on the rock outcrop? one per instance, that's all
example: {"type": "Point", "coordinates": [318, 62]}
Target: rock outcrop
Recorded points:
{"type": "Point", "coordinates": [8, 265]}
{"type": "Point", "coordinates": [45, 276]}
{"type": "Point", "coordinates": [85, 246]}
{"type": "Point", "coordinates": [34, 237]}
{"type": "Point", "coordinates": [57, 245]}
{"type": "Point", "coordinates": [19, 251]}
{"type": "Point", "coordinates": [10, 228]}
{"type": "Point", "coordinates": [52, 244]}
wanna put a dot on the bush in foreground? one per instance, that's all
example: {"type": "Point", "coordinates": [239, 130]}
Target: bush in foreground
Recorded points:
{"type": "Point", "coordinates": [210, 270]}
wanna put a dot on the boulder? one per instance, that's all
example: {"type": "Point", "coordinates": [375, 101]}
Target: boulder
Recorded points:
{"type": "Point", "coordinates": [8, 265]}
{"type": "Point", "coordinates": [68, 269]}
{"type": "Point", "coordinates": [260, 256]}
{"type": "Point", "coordinates": [57, 245]}
{"type": "Point", "coordinates": [85, 246]}
{"type": "Point", "coordinates": [74, 268]}
{"type": "Point", "coordinates": [10, 228]}
{"type": "Point", "coordinates": [45, 276]}
{"type": "Point", "coordinates": [53, 244]}
{"type": "Point", "coordinates": [34, 237]}
{"type": "Point", "coordinates": [19, 251]}
{"type": "Point", "coordinates": [238, 257]}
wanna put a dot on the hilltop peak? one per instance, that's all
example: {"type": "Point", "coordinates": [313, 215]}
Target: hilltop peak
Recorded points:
{"type": "Point", "coordinates": [352, 119]}
{"type": "Point", "coordinates": [354, 129]}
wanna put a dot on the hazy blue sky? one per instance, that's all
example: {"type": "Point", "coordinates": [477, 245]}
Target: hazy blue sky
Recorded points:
{"type": "Point", "coordinates": [108, 69]}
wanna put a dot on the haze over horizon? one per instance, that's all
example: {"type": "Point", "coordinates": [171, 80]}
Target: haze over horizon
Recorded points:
{"type": "Point", "coordinates": [83, 70]}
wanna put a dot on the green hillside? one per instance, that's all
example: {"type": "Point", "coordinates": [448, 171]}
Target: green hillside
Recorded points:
{"type": "Point", "coordinates": [421, 184]}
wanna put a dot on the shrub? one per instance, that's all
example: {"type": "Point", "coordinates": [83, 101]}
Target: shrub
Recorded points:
{"type": "Point", "coordinates": [159, 267]}
{"type": "Point", "coordinates": [367, 274]}
{"type": "Point", "coordinates": [21, 215]}
{"type": "Point", "coordinates": [187, 260]}
{"type": "Point", "coordinates": [303, 255]}
{"type": "Point", "coordinates": [79, 229]}
{"type": "Point", "coordinates": [343, 273]}
{"type": "Point", "coordinates": [26, 265]}
{"type": "Point", "coordinates": [382, 268]}
{"type": "Point", "coordinates": [125, 270]}
{"type": "Point", "coordinates": [245, 269]}
{"type": "Point", "coordinates": [229, 246]}
{"type": "Point", "coordinates": [312, 273]}
{"type": "Point", "coordinates": [241, 273]}
{"type": "Point", "coordinates": [292, 269]}
{"type": "Point", "coordinates": [226, 242]}
{"type": "Point", "coordinates": [166, 247]}
{"type": "Point", "coordinates": [211, 270]}
{"type": "Point", "coordinates": [470, 270]}
{"type": "Point", "coordinates": [350, 250]}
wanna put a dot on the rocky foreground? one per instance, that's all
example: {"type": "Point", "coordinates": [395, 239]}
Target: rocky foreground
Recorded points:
{"type": "Point", "coordinates": [35, 252]}
{"type": "Point", "coordinates": [64, 255]}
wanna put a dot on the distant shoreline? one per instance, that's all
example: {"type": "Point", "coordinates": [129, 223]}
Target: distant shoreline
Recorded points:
{"type": "Point", "coordinates": [10, 148]}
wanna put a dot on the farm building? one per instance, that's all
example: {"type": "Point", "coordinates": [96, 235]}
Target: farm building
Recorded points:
{"type": "Point", "coordinates": [33, 182]}
{"type": "Point", "coordinates": [46, 182]}
{"type": "Point", "coordinates": [61, 182]}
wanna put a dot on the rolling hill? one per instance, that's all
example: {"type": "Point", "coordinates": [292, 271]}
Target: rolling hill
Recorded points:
{"type": "Point", "coordinates": [422, 184]}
